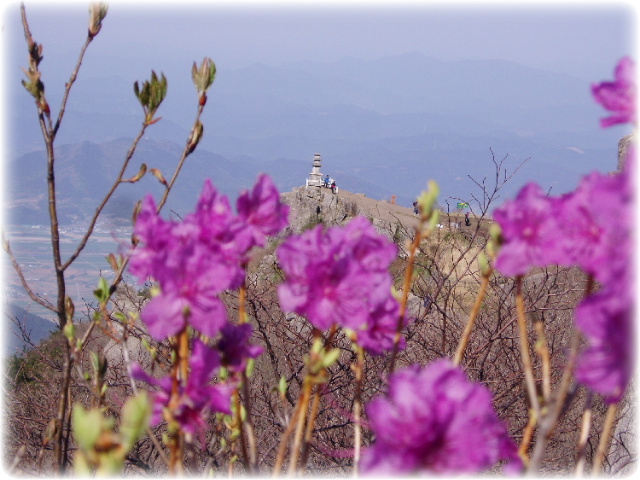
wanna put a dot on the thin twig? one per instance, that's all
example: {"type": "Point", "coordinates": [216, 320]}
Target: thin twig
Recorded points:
{"type": "Point", "coordinates": [23, 280]}
{"type": "Point", "coordinates": [357, 406]}
{"type": "Point", "coordinates": [584, 434]}
{"type": "Point", "coordinates": [188, 149]}
{"type": "Point", "coordinates": [543, 352]}
{"type": "Point", "coordinates": [524, 349]}
{"type": "Point", "coordinates": [548, 422]}
{"type": "Point", "coordinates": [604, 439]}
{"type": "Point", "coordinates": [282, 448]}
{"type": "Point", "coordinates": [526, 437]}
{"type": "Point", "coordinates": [408, 274]}
{"type": "Point", "coordinates": [69, 84]}
{"type": "Point", "coordinates": [309, 430]}
{"type": "Point", "coordinates": [472, 317]}
{"type": "Point", "coordinates": [106, 198]}
{"type": "Point", "coordinates": [297, 439]}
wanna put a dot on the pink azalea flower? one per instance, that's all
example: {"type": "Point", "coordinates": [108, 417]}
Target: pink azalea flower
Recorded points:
{"type": "Point", "coordinates": [618, 96]}
{"type": "Point", "coordinates": [529, 230]}
{"type": "Point", "coordinates": [606, 321]}
{"type": "Point", "coordinates": [235, 347]}
{"type": "Point", "coordinates": [336, 277]}
{"type": "Point", "coordinates": [196, 398]}
{"type": "Point", "coordinates": [596, 219]}
{"type": "Point", "coordinates": [376, 336]}
{"type": "Point", "coordinates": [590, 228]}
{"type": "Point", "coordinates": [195, 260]}
{"type": "Point", "coordinates": [435, 421]}
{"type": "Point", "coordinates": [262, 210]}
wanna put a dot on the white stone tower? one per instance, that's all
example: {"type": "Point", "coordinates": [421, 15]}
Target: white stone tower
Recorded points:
{"type": "Point", "coordinates": [315, 177]}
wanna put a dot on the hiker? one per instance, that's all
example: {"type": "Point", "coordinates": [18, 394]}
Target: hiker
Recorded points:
{"type": "Point", "coordinates": [415, 207]}
{"type": "Point", "coordinates": [326, 181]}
{"type": "Point", "coordinates": [333, 186]}
{"type": "Point", "coordinates": [467, 222]}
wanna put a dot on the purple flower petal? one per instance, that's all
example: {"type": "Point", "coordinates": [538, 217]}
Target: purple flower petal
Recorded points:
{"type": "Point", "coordinates": [434, 421]}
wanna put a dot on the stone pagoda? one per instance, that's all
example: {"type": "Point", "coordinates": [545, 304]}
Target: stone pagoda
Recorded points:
{"type": "Point", "coordinates": [315, 177]}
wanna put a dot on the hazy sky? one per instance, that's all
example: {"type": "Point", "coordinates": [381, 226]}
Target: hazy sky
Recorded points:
{"type": "Point", "coordinates": [584, 38]}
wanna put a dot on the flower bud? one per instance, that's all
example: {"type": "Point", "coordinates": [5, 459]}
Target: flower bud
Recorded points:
{"type": "Point", "coordinates": [196, 135]}
{"type": "Point", "coordinates": [97, 12]}
{"type": "Point", "coordinates": [69, 308]}
{"type": "Point", "coordinates": [427, 199]}
{"type": "Point", "coordinates": [68, 331]}
{"type": "Point", "coordinates": [496, 233]}
{"type": "Point", "coordinates": [483, 263]}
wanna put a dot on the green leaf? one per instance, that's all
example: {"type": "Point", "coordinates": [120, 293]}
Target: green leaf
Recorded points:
{"type": "Point", "coordinates": [427, 199]}
{"type": "Point", "coordinates": [81, 466]}
{"type": "Point", "coordinates": [204, 75]}
{"type": "Point", "coordinates": [110, 464]}
{"type": "Point", "coordinates": [86, 426]}
{"type": "Point", "coordinates": [433, 220]}
{"type": "Point", "coordinates": [68, 330]}
{"type": "Point", "coordinates": [282, 386]}
{"type": "Point", "coordinates": [95, 361]}
{"type": "Point", "coordinates": [102, 292]}
{"type": "Point", "coordinates": [330, 357]}
{"type": "Point", "coordinates": [158, 174]}
{"type": "Point", "coordinates": [250, 365]}
{"type": "Point", "coordinates": [316, 346]}
{"type": "Point", "coordinates": [139, 175]}
{"type": "Point", "coordinates": [135, 418]}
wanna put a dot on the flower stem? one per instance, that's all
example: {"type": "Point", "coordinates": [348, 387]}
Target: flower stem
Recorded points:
{"type": "Point", "coordinates": [472, 318]}
{"type": "Point", "coordinates": [408, 274]}
{"type": "Point", "coordinates": [304, 404]}
{"type": "Point", "coordinates": [555, 408]}
{"type": "Point", "coordinates": [282, 448]}
{"type": "Point", "coordinates": [526, 438]}
{"type": "Point", "coordinates": [604, 438]}
{"type": "Point", "coordinates": [584, 434]}
{"type": "Point", "coordinates": [317, 393]}
{"type": "Point", "coordinates": [357, 407]}
{"type": "Point", "coordinates": [238, 422]}
{"type": "Point", "coordinates": [179, 374]}
{"type": "Point", "coordinates": [251, 460]}
{"type": "Point", "coordinates": [524, 349]}
{"type": "Point", "coordinates": [253, 457]}
{"type": "Point", "coordinates": [242, 294]}
{"type": "Point", "coordinates": [543, 352]}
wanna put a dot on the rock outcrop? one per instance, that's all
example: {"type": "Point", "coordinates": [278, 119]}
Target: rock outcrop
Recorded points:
{"type": "Point", "coordinates": [313, 205]}
{"type": "Point", "coordinates": [623, 146]}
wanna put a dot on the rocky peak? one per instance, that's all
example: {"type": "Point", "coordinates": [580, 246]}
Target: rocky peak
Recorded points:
{"type": "Point", "coordinates": [313, 205]}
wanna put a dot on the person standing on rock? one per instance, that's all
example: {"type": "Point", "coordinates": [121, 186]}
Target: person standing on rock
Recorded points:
{"type": "Point", "coordinates": [333, 186]}
{"type": "Point", "coordinates": [326, 181]}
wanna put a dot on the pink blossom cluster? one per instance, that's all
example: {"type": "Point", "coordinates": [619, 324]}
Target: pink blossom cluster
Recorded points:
{"type": "Point", "coordinates": [340, 277]}
{"type": "Point", "coordinates": [619, 95]}
{"type": "Point", "coordinates": [195, 397]}
{"type": "Point", "coordinates": [193, 261]}
{"type": "Point", "coordinates": [434, 421]}
{"type": "Point", "coordinates": [591, 228]}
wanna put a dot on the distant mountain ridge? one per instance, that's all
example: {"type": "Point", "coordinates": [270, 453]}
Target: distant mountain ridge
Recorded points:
{"type": "Point", "coordinates": [383, 127]}
{"type": "Point", "coordinates": [35, 326]}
